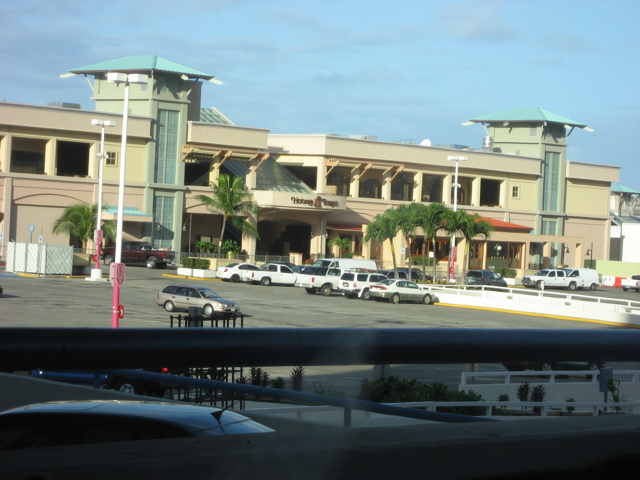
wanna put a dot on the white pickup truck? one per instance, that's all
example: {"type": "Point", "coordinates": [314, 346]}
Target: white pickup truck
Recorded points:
{"type": "Point", "coordinates": [551, 277]}
{"type": "Point", "coordinates": [319, 279]}
{"type": "Point", "coordinates": [270, 274]}
{"type": "Point", "coordinates": [632, 283]}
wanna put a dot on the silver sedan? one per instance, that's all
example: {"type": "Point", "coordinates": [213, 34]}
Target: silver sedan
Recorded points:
{"type": "Point", "coordinates": [399, 290]}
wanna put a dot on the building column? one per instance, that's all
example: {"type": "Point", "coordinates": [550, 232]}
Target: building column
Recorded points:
{"type": "Point", "coordinates": [249, 242]}
{"type": "Point", "coordinates": [321, 180]}
{"type": "Point", "coordinates": [418, 181]}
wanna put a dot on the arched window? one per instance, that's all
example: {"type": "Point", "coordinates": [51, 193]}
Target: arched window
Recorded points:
{"type": "Point", "coordinates": [370, 189]}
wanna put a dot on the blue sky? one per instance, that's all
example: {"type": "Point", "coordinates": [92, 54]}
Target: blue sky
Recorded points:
{"type": "Point", "coordinates": [402, 71]}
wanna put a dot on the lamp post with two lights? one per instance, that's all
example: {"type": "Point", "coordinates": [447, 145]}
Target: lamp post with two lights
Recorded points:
{"type": "Point", "coordinates": [456, 185]}
{"type": "Point", "coordinates": [117, 269]}
{"type": "Point", "coordinates": [96, 272]}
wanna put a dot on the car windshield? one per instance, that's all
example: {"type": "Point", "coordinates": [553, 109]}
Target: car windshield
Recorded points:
{"type": "Point", "coordinates": [208, 293]}
{"type": "Point", "coordinates": [542, 273]}
{"type": "Point", "coordinates": [388, 281]}
{"type": "Point", "coordinates": [474, 273]}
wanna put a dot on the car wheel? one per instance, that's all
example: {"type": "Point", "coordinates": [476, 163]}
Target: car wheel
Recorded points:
{"type": "Point", "coordinates": [572, 286]}
{"type": "Point", "coordinates": [169, 306]}
{"type": "Point", "coordinates": [207, 310]}
{"type": "Point", "coordinates": [427, 299]}
{"type": "Point", "coordinates": [326, 290]}
{"type": "Point", "coordinates": [310, 291]}
{"type": "Point", "coordinates": [151, 262]}
{"type": "Point", "coordinates": [108, 259]}
{"type": "Point", "coordinates": [128, 386]}
{"type": "Point", "coordinates": [546, 366]}
{"type": "Point", "coordinates": [593, 286]}
{"type": "Point", "coordinates": [366, 295]}
{"type": "Point", "coordinates": [395, 298]}
{"type": "Point", "coordinates": [235, 278]}
{"type": "Point", "coordinates": [623, 288]}
{"type": "Point", "coordinates": [594, 366]}
{"type": "Point", "coordinates": [266, 281]}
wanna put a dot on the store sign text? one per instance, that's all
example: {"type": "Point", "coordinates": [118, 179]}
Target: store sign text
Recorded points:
{"type": "Point", "coordinates": [315, 202]}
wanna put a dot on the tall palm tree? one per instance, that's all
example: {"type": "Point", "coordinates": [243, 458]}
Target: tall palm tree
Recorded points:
{"type": "Point", "coordinates": [79, 221]}
{"type": "Point", "coordinates": [452, 223]}
{"type": "Point", "coordinates": [231, 198]}
{"type": "Point", "coordinates": [473, 227]}
{"type": "Point", "coordinates": [384, 227]}
{"type": "Point", "coordinates": [430, 218]}
{"type": "Point", "coordinates": [407, 218]}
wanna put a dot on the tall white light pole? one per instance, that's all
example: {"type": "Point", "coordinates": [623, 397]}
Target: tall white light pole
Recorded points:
{"type": "Point", "coordinates": [116, 273]}
{"type": "Point", "coordinates": [96, 272]}
{"type": "Point", "coordinates": [456, 185]}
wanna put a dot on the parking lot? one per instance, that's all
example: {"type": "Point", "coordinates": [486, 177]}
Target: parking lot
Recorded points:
{"type": "Point", "coordinates": [75, 302]}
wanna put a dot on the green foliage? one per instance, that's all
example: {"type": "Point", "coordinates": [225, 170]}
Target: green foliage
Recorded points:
{"type": "Point", "coordinates": [318, 389]}
{"type": "Point", "coordinates": [297, 379]}
{"type": "Point", "coordinates": [230, 246]}
{"type": "Point", "coordinates": [259, 377]}
{"type": "Point", "coordinates": [343, 244]}
{"type": "Point", "coordinates": [507, 272]}
{"type": "Point", "coordinates": [537, 395]}
{"type": "Point", "coordinates": [205, 246]}
{"type": "Point", "coordinates": [197, 263]}
{"type": "Point", "coordinates": [398, 390]}
{"type": "Point", "coordinates": [279, 383]}
{"type": "Point", "coordinates": [79, 221]}
{"type": "Point", "coordinates": [231, 198]}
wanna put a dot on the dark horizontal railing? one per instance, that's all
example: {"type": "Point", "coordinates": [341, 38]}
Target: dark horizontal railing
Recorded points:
{"type": "Point", "coordinates": [92, 348]}
{"type": "Point", "coordinates": [347, 404]}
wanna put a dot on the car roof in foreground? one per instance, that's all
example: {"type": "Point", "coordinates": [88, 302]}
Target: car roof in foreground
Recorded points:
{"type": "Point", "coordinates": [196, 419]}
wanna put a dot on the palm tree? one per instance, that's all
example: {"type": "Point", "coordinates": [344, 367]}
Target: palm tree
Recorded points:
{"type": "Point", "coordinates": [430, 219]}
{"type": "Point", "coordinates": [79, 221]}
{"type": "Point", "coordinates": [452, 223]}
{"type": "Point", "coordinates": [473, 227]}
{"type": "Point", "coordinates": [384, 227]}
{"type": "Point", "coordinates": [407, 218]}
{"type": "Point", "coordinates": [343, 244]}
{"type": "Point", "coordinates": [231, 198]}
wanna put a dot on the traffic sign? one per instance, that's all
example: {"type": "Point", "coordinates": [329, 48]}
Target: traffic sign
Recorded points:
{"type": "Point", "coordinates": [116, 274]}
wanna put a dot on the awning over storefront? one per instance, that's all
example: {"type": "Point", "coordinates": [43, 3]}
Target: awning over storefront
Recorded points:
{"type": "Point", "coordinates": [130, 214]}
{"type": "Point", "coordinates": [353, 227]}
{"type": "Point", "coordinates": [501, 226]}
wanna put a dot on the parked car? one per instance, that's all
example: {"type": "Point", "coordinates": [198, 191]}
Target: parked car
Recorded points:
{"type": "Point", "coordinates": [357, 284]}
{"type": "Point", "coordinates": [233, 271]}
{"type": "Point", "coordinates": [397, 291]}
{"type": "Point", "coordinates": [548, 366]}
{"type": "Point", "coordinates": [115, 382]}
{"type": "Point", "coordinates": [586, 277]}
{"type": "Point", "coordinates": [85, 422]}
{"type": "Point", "coordinates": [404, 274]}
{"type": "Point", "coordinates": [632, 283]}
{"type": "Point", "coordinates": [181, 297]}
{"type": "Point", "coordinates": [484, 277]}
{"type": "Point", "coordinates": [551, 277]}
{"type": "Point", "coordinates": [139, 252]}
{"type": "Point", "coordinates": [270, 274]}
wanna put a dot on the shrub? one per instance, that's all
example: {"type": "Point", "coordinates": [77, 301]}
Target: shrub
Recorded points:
{"type": "Point", "coordinates": [537, 395]}
{"type": "Point", "coordinates": [205, 246]}
{"type": "Point", "coordinates": [570, 409]}
{"type": "Point", "coordinates": [507, 272]}
{"type": "Point", "coordinates": [297, 379]}
{"type": "Point", "coordinates": [197, 263]}
{"type": "Point", "coordinates": [278, 383]}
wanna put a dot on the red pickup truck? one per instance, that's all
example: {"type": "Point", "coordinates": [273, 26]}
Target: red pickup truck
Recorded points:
{"type": "Point", "coordinates": [139, 252]}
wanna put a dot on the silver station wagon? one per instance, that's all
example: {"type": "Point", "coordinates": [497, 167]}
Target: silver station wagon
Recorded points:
{"type": "Point", "coordinates": [181, 297]}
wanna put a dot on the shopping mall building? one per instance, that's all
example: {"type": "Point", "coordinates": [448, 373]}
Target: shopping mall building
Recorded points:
{"type": "Point", "coordinates": [311, 188]}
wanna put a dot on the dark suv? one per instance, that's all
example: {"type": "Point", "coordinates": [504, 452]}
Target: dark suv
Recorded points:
{"type": "Point", "coordinates": [403, 273]}
{"type": "Point", "coordinates": [484, 277]}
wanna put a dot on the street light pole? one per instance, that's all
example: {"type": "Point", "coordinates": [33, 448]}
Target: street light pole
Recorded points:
{"type": "Point", "coordinates": [116, 274]}
{"type": "Point", "coordinates": [456, 185]}
{"type": "Point", "coordinates": [96, 272]}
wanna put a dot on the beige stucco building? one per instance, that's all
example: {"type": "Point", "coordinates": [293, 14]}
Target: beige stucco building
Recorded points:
{"type": "Point", "coordinates": [545, 209]}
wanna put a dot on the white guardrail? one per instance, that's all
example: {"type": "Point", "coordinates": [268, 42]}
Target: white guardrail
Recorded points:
{"type": "Point", "coordinates": [588, 307]}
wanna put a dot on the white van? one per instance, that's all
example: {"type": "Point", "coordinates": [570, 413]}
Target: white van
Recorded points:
{"type": "Point", "coordinates": [346, 263]}
{"type": "Point", "coordinates": [586, 277]}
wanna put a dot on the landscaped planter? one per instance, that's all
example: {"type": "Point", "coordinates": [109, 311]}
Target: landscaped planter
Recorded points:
{"type": "Point", "coordinates": [203, 273]}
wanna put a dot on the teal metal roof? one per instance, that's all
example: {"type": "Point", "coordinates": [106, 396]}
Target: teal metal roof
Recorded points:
{"type": "Point", "coordinates": [618, 188]}
{"type": "Point", "coordinates": [532, 114]}
{"type": "Point", "coordinates": [127, 211]}
{"type": "Point", "coordinates": [141, 64]}
{"type": "Point", "coordinates": [212, 115]}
